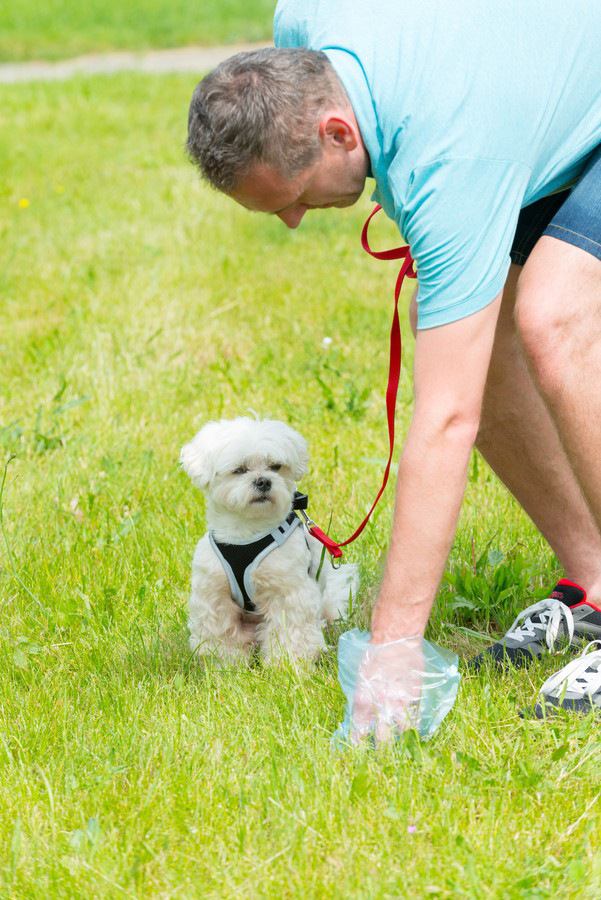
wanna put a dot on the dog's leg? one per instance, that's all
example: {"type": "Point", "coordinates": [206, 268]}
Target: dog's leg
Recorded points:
{"type": "Point", "coordinates": [338, 586]}
{"type": "Point", "coordinates": [215, 622]}
{"type": "Point", "coordinates": [292, 624]}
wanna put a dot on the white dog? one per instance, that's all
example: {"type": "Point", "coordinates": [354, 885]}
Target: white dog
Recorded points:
{"type": "Point", "coordinates": [254, 572]}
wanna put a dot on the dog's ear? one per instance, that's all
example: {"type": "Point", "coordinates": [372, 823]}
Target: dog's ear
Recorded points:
{"type": "Point", "coordinates": [296, 452]}
{"type": "Point", "coordinates": [196, 460]}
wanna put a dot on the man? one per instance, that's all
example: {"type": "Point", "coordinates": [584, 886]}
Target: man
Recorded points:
{"type": "Point", "coordinates": [481, 125]}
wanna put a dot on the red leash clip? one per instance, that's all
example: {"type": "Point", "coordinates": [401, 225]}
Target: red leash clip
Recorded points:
{"type": "Point", "coordinates": [394, 372]}
{"type": "Point", "coordinates": [328, 542]}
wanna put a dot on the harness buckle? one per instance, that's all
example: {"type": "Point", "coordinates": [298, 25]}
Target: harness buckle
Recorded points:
{"type": "Point", "coordinates": [300, 501]}
{"type": "Point", "coordinates": [307, 519]}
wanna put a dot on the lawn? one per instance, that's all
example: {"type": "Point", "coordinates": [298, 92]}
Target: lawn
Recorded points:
{"type": "Point", "coordinates": [61, 28]}
{"type": "Point", "coordinates": [137, 304]}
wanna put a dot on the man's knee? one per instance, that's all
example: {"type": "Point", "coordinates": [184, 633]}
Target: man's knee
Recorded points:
{"type": "Point", "coordinates": [543, 325]}
{"type": "Point", "coordinates": [554, 317]}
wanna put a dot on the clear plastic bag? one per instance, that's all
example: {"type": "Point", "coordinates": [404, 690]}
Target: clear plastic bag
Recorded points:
{"type": "Point", "coordinates": [428, 696]}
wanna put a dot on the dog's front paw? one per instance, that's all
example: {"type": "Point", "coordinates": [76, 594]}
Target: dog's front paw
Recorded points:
{"type": "Point", "coordinates": [219, 652]}
{"type": "Point", "coordinates": [298, 645]}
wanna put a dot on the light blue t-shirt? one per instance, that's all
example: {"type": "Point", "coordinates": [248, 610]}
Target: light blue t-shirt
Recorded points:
{"type": "Point", "coordinates": [469, 110]}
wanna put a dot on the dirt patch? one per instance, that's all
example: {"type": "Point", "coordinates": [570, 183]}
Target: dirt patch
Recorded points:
{"type": "Point", "coordinates": [180, 59]}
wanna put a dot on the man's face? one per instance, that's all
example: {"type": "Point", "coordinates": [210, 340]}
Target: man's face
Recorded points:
{"type": "Point", "coordinates": [336, 178]}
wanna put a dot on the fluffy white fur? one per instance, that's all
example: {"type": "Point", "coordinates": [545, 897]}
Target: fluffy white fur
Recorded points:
{"type": "Point", "coordinates": [232, 461]}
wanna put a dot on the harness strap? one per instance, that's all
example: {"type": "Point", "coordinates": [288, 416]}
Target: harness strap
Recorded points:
{"type": "Point", "coordinates": [394, 372]}
{"type": "Point", "coordinates": [239, 561]}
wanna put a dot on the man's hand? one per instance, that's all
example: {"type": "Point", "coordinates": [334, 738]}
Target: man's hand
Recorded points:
{"type": "Point", "coordinates": [388, 689]}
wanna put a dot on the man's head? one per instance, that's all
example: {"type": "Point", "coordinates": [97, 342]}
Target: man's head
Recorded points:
{"type": "Point", "coordinates": [274, 129]}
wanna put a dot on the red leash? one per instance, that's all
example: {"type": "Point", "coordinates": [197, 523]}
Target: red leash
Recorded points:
{"type": "Point", "coordinates": [394, 372]}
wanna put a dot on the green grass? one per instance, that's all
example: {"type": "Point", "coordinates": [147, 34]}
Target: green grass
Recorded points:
{"type": "Point", "coordinates": [63, 28]}
{"type": "Point", "coordinates": [137, 304]}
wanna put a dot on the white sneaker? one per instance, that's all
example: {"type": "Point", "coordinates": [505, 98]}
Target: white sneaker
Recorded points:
{"type": "Point", "coordinates": [576, 687]}
{"type": "Point", "coordinates": [552, 624]}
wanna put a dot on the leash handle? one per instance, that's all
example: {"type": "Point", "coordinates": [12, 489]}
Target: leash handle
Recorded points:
{"type": "Point", "coordinates": [394, 371]}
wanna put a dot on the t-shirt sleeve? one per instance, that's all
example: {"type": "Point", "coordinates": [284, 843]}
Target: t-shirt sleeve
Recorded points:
{"type": "Point", "coordinates": [459, 217]}
{"type": "Point", "coordinates": [289, 25]}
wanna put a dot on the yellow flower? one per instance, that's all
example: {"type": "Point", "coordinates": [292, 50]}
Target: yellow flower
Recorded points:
{"type": "Point", "coordinates": [23, 202]}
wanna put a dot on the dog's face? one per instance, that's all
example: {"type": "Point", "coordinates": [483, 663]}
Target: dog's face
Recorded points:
{"type": "Point", "coordinates": [248, 469]}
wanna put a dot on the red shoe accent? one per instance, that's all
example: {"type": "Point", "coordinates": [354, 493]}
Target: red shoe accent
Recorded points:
{"type": "Point", "coordinates": [585, 601]}
{"type": "Point", "coordinates": [572, 584]}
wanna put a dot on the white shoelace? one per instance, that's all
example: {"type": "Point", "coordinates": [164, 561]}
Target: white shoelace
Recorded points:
{"type": "Point", "coordinates": [550, 613]}
{"type": "Point", "coordinates": [576, 675]}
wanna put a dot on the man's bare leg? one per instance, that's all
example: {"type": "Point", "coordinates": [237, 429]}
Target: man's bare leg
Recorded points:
{"type": "Point", "coordinates": [519, 440]}
{"type": "Point", "coordinates": [558, 315]}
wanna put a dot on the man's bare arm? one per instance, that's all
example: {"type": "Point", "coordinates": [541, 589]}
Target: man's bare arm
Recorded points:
{"type": "Point", "coordinates": [451, 365]}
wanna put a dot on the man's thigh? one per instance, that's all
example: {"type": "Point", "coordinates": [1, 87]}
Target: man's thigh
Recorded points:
{"type": "Point", "coordinates": [559, 298]}
{"type": "Point", "coordinates": [559, 290]}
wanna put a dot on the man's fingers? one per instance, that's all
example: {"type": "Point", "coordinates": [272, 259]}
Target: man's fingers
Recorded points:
{"type": "Point", "coordinates": [361, 728]}
{"type": "Point", "coordinates": [383, 731]}
{"type": "Point", "coordinates": [386, 694]}
{"type": "Point", "coordinates": [407, 717]}
{"type": "Point", "coordinates": [363, 714]}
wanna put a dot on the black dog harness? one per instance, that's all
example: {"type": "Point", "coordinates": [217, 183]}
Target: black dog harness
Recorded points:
{"type": "Point", "coordinates": [240, 560]}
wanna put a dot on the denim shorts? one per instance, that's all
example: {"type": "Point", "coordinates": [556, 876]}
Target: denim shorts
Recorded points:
{"type": "Point", "coordinates": [573, 216]}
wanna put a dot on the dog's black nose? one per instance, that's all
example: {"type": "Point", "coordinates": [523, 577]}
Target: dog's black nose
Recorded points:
{"type": "Point", "coordinates": [262, 484]}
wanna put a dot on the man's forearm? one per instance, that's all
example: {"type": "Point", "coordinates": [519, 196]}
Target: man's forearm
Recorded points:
{"type": "Point", "coordinates": [430, 488]}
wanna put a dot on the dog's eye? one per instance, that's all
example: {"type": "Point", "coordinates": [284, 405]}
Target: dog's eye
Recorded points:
{"type": "Point", "coordinates": [241, 470]}
{"type": "Point", "coordinates": [276, 467]}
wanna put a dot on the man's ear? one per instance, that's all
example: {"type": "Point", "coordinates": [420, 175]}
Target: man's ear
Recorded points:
{"type": "Point", "coordinates": [338, 131]}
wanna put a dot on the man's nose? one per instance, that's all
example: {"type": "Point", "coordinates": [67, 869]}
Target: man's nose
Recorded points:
{"type": "Point", "coordinates": [292, 217]}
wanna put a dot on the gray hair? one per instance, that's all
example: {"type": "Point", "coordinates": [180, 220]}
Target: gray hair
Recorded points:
{"type": "Point", "coordinates": [260, 106]}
